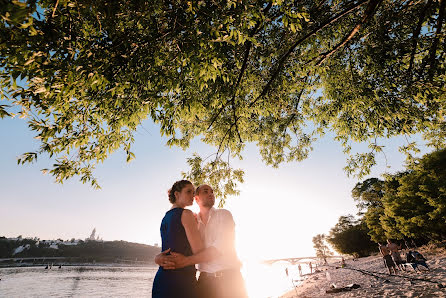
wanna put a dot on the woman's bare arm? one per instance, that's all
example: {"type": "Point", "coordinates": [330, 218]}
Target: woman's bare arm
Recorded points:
{"type": "Point", "coordinates": [200, 254]}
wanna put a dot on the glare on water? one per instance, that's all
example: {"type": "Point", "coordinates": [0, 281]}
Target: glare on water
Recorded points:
{"type": "Point", "coordinates": [268, 280]}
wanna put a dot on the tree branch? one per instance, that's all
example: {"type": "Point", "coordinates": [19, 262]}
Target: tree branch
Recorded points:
{"type": "Point", "coordinates": [299, 41]}
{"type": "Point", "coordinates": [368, 13]}
{"type": "Point", "coordinates": [320, 4]}
{"type": "Point", "coordinates": [254, 31]}
{"type": "Point", "coordinates": [296, 106]}
{"type": "Point", "coordinates": [416, 34]}
{"type": "Point", "coordinates": [433, 50]}
{"type": "Point", "coordinates": [54, 10]}
{"type": "Point", "coordinates": [235, 118]}
{"type": "Point", "coordinates": [287, 54]}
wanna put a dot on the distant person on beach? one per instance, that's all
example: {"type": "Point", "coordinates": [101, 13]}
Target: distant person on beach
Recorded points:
{"type": "Point", "coordinates": [179, 234]}
{"type": "Point", "coordinates": [414, 258]}
{"type": "Point", "coordinates": [385, 252]}
{"type": "Point", "coordinates": [300, 270]}
{"type": "Point", "coordinates": [219, 277]}
{"type": "Point", "coordinates": [396, 256]}
{"type": "Point", "coordinates": [311, 267]}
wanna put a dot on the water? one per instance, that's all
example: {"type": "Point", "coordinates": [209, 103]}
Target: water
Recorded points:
{"type": "Point", "coordinates": [262, 281]}
{"type": "Point", "coordinates": [85, 281]}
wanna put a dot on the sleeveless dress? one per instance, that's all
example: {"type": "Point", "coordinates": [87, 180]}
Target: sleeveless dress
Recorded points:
{"type": "Point", "coordinates": [178, 282]}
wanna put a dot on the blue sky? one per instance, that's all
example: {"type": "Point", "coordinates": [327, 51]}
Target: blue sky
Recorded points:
{"type": "Point", "coordinates": [277, 213]}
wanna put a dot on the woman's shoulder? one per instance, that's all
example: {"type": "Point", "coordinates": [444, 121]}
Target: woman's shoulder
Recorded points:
{"type": "Point", "coordinates": [188, 217]}
{"type": "Point", "coordinates": [188, 213]}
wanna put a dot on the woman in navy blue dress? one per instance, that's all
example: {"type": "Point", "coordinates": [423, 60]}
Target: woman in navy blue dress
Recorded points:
{"type": "Point", "coordinates": [179, 234]}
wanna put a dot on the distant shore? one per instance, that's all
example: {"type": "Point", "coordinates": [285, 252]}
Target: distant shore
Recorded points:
{"type": "Point", "coordinates": [374, 281]}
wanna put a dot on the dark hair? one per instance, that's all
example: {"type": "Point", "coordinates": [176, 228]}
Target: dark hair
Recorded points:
{"type": "Point", "coordinates": [177, 186]}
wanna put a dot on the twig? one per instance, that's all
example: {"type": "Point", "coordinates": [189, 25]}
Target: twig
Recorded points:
{"type": "Point", "coordinates": [54, 10]}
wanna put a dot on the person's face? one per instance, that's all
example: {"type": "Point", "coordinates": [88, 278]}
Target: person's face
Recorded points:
{"type": "Point", "coordinates": [186, 196]}
{"type": "Point", "coordinates": [205, 197]}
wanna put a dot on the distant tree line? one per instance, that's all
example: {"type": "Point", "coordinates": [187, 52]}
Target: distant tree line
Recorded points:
{"type": "Point", "coordinates": [89, 251]}
{"type": "Point", "coordinates": [408, 206]}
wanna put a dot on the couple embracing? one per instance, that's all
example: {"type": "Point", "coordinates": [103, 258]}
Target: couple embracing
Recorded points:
{"type": "Point", "coordinates": [206, 239]}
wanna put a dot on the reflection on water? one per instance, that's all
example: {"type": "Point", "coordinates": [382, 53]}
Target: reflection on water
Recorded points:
{"type": "Point", "coordinates": [106, 281]}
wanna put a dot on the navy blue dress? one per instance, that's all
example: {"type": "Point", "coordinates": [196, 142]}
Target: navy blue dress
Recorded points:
{"type": "Point", "coordinates": [178, 282]}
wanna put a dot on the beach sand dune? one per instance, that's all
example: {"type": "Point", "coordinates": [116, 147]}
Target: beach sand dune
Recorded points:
{"type": "Point", "coordinates": [374, 280]}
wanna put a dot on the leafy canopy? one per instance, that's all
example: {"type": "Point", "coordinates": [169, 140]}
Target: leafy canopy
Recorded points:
{"type": "Point", "coordinates": [350, 236]}
{"type": "Point", "coordinates": [276, 73]}
{"type": "Point", "coordinates": [411, 204]}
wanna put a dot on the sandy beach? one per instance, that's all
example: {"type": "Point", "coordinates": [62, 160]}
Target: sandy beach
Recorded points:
{"type": "Point", "coordinates": [374, 280]}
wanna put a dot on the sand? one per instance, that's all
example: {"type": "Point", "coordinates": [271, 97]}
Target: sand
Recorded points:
{"type": "Point", "coordinates": [404, 284]}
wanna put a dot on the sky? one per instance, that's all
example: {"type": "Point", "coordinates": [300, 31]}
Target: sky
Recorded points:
{"type": "Point", "coordinates": [277, 212]}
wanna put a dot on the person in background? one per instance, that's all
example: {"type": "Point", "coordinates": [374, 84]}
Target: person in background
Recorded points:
{"type": "Point", "coordinates": [396, 256]}
{"type": "Point", "coordinates": [414, 258]}
{"type": "Point", "coordinates": [385, 252]}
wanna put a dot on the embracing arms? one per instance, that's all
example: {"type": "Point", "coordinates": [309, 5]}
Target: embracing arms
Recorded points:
{"type": "Point", "coordinates": [200, 253]}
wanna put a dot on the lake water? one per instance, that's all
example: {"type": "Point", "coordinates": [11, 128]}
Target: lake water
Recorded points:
{"type": "Point", "coordinates": [111, 281]}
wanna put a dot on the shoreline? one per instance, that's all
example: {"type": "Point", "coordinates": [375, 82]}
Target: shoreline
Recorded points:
{"type": "Point", "coordinates": [374, 281]}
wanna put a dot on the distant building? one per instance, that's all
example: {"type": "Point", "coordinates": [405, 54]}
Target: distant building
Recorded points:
{"type": "Point", "coordinates": [71, 243]}
{"type": "Point", "coordinates": [20, 249]}
{"type": "Point", "coordinates": [54, 244]}
{"type": "Point", "coordinates": [93, 236]}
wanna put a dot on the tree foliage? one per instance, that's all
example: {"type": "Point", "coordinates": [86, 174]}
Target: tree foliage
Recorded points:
{"type": "Point", "coordinates": [350, 236]}
{"type": "Point", "coordinates": [276, 73]}
{"type": "Point", "coordinates": [411, 204]}
{"type": "Point", "coordinates": [217, 173]}
{"type": "Point", "coordinates": [321, 247]}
